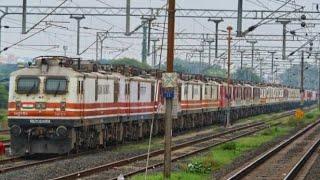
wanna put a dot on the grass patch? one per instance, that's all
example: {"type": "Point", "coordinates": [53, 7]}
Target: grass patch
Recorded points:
{"type": "Point", "coordinates": [308, 118]}
{"type": "Point", "coordinates": [3, 119]}
{"type": "Point", "coordinates": [156, 143]}
{"type": "Point", "coordinates": [3, 115]}
{"type": "Point", "coordinates": [223, 156]}
{"type": "Point", "coordinates": [4, 137]}
{"type": "Point", "coordinates": [201, 167]}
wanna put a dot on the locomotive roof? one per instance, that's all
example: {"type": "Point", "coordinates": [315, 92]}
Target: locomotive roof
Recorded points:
{"type": "Point", "coordinates": [80, 67]}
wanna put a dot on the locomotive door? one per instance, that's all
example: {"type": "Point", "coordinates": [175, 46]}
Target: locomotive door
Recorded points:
{"type": "Point", "coordinates": [222, 95]}
{"type": "Point", "coordinates": [81, 99]}
{"type": "Point", "coordinates": [127, 97]}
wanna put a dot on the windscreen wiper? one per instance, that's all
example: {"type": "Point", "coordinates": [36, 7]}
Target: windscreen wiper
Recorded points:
{"type": "Point", "coordinates": [31, 89]}
{"type": "Point", "coordinates": [58, 87]}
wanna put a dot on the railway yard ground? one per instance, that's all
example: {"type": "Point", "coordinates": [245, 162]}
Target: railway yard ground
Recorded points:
{"type": "Point", "coordinates": [219, 161]}
{"type": "Point", "coordinates": [206, 153]}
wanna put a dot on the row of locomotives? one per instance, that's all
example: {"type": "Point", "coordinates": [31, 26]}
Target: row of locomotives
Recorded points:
{"type": "Point", "coordinates": [60, 104]}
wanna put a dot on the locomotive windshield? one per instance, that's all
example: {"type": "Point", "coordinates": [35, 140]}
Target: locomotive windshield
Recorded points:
{"type": "Point", "coordinates": [56, 85]}
{"type": "Point", "coordinates": [28, 85]}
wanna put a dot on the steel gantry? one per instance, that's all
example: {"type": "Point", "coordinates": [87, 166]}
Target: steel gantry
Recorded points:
{"type": "Point", "coordinates": [293, 15]}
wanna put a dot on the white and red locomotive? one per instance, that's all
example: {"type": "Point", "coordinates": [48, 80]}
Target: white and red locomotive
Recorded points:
{"type": "Point", "coordinates": [61, 104]}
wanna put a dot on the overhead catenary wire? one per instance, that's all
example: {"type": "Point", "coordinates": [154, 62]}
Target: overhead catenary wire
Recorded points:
{"type": "Point", "coordinates": [45, 17]}
{"type": "Point", "coordinates": [14, 44]}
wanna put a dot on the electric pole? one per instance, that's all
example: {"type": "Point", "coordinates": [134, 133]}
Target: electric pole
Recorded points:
{"type": "Point", "coordinates": [252, 42]}
{"type": "Point", "coordinates": [78, 19]}
{"type": "Point", "coordinates": [318, 94]}
{"type": "Point", "coordinates": [169, 100]}
{"type": "Point", "coordinates": [100, 37]}
{"type": "Point", "coordinates": [284, 36]}
{"type": "Point", "coordinates": [154, 53]}
{"type": "Point", "coordinates": [65, 48]}
{"type": "Point", "coordinates": [241, 57]}
{"type": "Point", "coordinates": [302, 78]}
{"type": "Point", "coordinates": [229, 28]}
{"type": "Point", "coordinates": [290, 72]}
{"type": "Point", "coordinates": [24, 16]}
{"type": "Point", "coordinates": [200, 60]}
{"type": "Point", "coordinates": [239, 19]}
{"type": "Point", "coordinates": [272, 64]}
{"type": "Point", "coordinates": [216, 21]}
{"type": "Point", "coordinates": [209, 41]}
{"type": "Point", "coordinates": [1, 17]}
{"type": "Point", "coordinates": [128, 8]}
{"type": "Point", "coordinates": [144, 42]}
{"type": "Point", "coordinates": [260, 64]}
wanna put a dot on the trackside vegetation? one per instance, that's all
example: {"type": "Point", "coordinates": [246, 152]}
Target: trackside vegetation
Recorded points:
{"type": "Point", "coordinates": [202, 167]}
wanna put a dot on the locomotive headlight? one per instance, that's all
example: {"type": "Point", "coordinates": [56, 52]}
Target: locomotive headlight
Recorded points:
{"type": "Point", "coordinates": [63, 106]}
{"type": "Point", "coordinates": [15, 130]}
{"type": "Point", "coordinates": [62, 131]}
{"type": "Point", "coordinates": [18, 105]}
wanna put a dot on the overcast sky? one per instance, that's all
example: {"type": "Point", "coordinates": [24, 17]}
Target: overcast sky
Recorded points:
{"type": "Point", "coordinates": [54, 38]}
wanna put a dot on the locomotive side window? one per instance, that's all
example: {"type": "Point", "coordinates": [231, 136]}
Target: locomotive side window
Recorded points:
{"type": "Point", "coordinates": [152, 92]}
{"type": "Point", "coordinates": [56, 85]}
{"type": "Point", "coordinates": [214, 94]}
{"type": "Point", "coordinates": [96, 90]}
{"type": "Point", "coordinates": [200, 92]}
{"type": "Point", "coordinates": [138, 91]}
{"type": "Point", "coordinates": [78, 87]}
{"type": "Point", "coordinates": [127, 89]}
{"type": "Point", "coordinates": [185, 91]}
{"type": "Point", "coordinates": [28, 85]}
{"type": "Point", "coordinates": [116, 90]}
{"type": "Point", "coordinates": [179, 92]}
{"type": "Point", "coordinates": [192, 92]}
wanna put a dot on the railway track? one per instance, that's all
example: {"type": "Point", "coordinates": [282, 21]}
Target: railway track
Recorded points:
{"type": "Point", "coordinates": [285, 160]}
{"type": "Point", "coordinates": [16, 163]}
{"type": "Point", "coordinates": [136, 164]}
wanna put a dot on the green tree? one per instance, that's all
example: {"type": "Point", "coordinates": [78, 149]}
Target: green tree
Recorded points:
{"type": "Point", "coordinates": [129, 62]}
{"type": "Point", "coordinates": [215, 71]}
{"type": "Point", "coordinates": [292, 76]}
{"type": "Point", "coordinates": [3, 96]}
{"type": "Point", "coordinates": [246, 74]}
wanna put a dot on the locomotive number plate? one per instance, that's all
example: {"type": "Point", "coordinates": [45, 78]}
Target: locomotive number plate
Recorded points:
{"type": "Point", "coordinates": [40, 121]}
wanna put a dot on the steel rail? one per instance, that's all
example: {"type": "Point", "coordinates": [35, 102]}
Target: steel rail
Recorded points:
{"type": "Point", "coordinates": [124, 162]}
{"type": "Point", "coordinates": [143, 156]}
{"type": "Point", "coordinates": [12, 159]}
{"type": "Point", "coordinates": [296, 169]}
{"type": "Point", "coordinates": [13, 168]}
{"type": "Point", "coordinates": [192, 152]}
{"type": "Point", "coordinates": [253, 165]}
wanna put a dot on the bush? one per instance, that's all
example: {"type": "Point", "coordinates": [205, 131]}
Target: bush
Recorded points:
{"type": "Point", "coordinates": [230, 146]}
{"type": "Point", "coordinates": [199, 167]}
{"type": "Point", "coordinates": [309, 115]}
{"type": "Point", "coordinates": [293, 122]}
{"type": "Point", "coordinates": [267, 132]}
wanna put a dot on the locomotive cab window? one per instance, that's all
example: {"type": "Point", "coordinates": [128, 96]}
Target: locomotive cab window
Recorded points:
{"type": "Point", "coordinates": [56, 85]}
{"type": "Point", "coordinates": [28, 85]}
